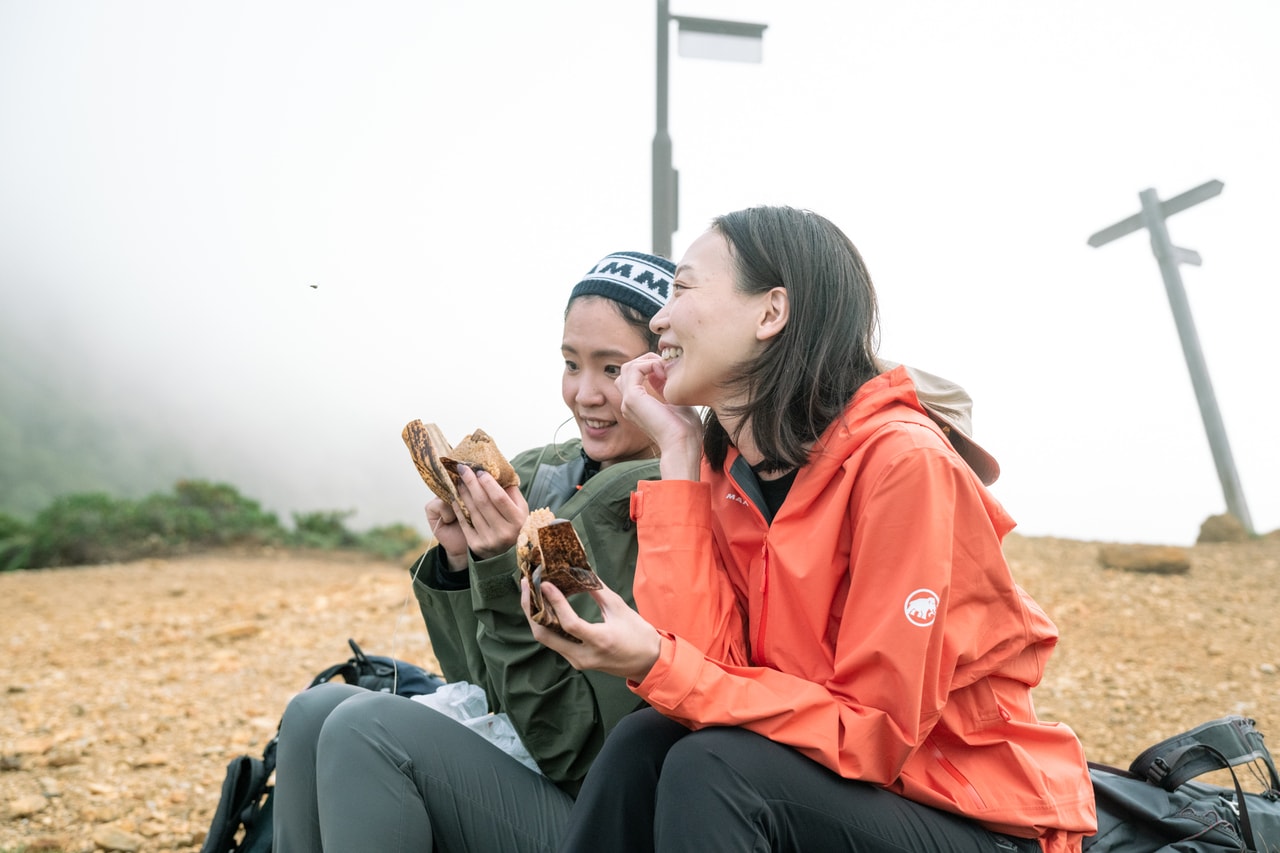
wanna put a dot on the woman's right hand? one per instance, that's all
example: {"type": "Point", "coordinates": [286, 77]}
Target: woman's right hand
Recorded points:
{"type": "Point", "coordinates": [446, 526]}
{"type": "Point", "coordinates": [677, 430]}
{"type": "Point", "coordinates": [623, 644]}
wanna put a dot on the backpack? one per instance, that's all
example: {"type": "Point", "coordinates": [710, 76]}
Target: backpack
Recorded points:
{"type": "Point", "coordinates": [1156, 806]}
{"type": "Point", "coordinates": [246, 800]}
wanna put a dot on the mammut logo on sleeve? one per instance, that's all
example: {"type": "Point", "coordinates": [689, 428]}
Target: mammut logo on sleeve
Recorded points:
{"type": "Point", "coordinates": [732, 497]}
{"type": "Point", "coordinates": [921, 606]}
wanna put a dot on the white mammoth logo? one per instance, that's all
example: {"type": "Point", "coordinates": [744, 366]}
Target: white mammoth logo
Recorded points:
{"type": "Point", "coordinates": [921, 606]}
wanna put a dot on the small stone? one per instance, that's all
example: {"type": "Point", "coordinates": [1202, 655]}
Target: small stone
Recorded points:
{"type": "Point", "coordinates": [114, 838]}
{"type": "Point", "coordinates": [27, 806]}
{"type": "Point", "coordinates": [33, 745]}
{"type": "Point", "coordinates": [153, 760]}
{"type": "Point", "coordinates": [1152, 559]}
{"type": "Point", "coordinates": [1222, 528]}
{"type": "Point", "coordinates": [235, 631]}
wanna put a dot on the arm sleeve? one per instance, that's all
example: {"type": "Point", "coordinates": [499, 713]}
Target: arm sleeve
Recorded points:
{"type": "Point", "coordinates": [679, 585]}
{"type": "Point", "coordinates": [884, 680]}
{"type": "Point", "coordinates": [451, 623]}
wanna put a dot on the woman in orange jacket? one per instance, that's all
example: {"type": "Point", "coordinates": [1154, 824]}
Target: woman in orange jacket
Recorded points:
{"type": "Point", "coordinates": [834, 650]}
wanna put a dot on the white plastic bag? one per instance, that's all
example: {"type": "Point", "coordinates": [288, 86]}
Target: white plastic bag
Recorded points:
{"type": "Point", "coordinates": [466, 703]}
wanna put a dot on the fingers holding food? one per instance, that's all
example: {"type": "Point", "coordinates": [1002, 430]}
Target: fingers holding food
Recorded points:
{"type": "Point", "coordinates": [437, 461]}
{"type": "Point", "coordinates": [548, 550]}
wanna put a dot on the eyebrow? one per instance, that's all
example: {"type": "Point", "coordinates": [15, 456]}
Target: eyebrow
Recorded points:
{"type": "Point", "coordinates": [600, 353]}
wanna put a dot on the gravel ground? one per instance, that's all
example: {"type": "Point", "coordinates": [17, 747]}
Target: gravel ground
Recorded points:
{"type": "Point", "coordinates": [126, 689]}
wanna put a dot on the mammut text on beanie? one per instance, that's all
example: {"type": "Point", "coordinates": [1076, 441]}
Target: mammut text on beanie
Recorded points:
{"type": "Point", "coordinates": [632, 278]}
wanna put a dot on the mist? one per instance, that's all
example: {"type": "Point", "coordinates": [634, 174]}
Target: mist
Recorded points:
{"type": "Point", "coordinates": [248, 242]}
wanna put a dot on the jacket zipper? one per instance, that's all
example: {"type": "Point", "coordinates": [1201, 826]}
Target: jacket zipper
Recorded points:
{"type": "Point", "coordinates": [955, 773]}
{"type": "Point", "coordinates": [758, 641]}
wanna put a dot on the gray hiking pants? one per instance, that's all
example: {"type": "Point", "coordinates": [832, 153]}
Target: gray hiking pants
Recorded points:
{"type": "Point", "coordinates": [357, 770]}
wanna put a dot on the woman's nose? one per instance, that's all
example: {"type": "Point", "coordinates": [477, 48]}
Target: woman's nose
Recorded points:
{"type": "Point", "coordinates": [659, 321]}
{"type": "Point", "coordinates": [589, 390]}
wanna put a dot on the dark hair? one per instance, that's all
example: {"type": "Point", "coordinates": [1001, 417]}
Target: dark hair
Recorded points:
{"type": "Point", "coordinates": [806, 375]}
{"type": "Point", "coordinates": [635, 318]}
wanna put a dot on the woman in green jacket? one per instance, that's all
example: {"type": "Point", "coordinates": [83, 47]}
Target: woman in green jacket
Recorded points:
{"type": "Point", "coordinates": [373, 771]}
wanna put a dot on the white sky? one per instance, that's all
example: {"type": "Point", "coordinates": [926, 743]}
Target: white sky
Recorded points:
{"type": "Point", "coordinates": [174, 176]}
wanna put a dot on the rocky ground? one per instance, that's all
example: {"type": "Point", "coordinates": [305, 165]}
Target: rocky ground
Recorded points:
{"type": "Point", "coordinates": [126, 689]}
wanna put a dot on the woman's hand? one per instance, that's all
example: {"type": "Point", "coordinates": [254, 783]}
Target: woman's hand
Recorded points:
{"type": "Point", "coordinates": [677, 430]}
{"type": "Point", "coordinates": [497, 514]}
{"type": "Point", "coordinates": [624, 644]}
{"type": "Point", "coordinates": [446, 525]}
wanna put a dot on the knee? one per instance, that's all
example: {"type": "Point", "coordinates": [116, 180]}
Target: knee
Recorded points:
{"type": "Point", "coordinates": [307, 711]}
{"type": "Point", "coordinates": [702, 756]}
{"type": "Point", "coordinates": [645, 727]}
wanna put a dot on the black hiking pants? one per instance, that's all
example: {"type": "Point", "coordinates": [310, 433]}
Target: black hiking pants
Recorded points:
{"type": "Point", "coordinates": [658, 786]}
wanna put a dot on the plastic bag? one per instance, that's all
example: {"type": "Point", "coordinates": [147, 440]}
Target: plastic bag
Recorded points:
{"type": "Point", "coordinates": [466, 703]}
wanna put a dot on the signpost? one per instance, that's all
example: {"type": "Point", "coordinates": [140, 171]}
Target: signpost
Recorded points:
{"type": "Point", "coordinates": [1152, 217]}
{"type": "Point", "coordinates": [708, 38]}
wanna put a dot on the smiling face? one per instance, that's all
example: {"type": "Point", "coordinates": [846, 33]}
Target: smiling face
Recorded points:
{"type": "Point", "coordinates": [709, 329]}
{"type": "Point", "coordinates": [597, 342]}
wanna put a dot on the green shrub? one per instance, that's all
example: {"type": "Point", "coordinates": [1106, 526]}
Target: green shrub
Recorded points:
{"type": "Point", "coordinates": [325, 530]}
{"type": "Point", "coordinates": [391, 542]}
{"type": "Point", "coordinates": [94, 527]}
{"type": "Point", "coordinates": [77, 529]}
{"type": "Point", "coordinates": [15, 542]}
{"type": "Point", "coordinates": [97, 528]}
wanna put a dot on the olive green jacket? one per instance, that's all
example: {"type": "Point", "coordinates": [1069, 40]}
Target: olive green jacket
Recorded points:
{"type": "Point", "coordinates": [481, 635]}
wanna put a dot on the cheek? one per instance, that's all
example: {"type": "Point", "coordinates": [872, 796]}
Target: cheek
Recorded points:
{"type": "Point", "coordinates": [612, 394]}
{"type": "Point", "coordinates": [568, 390]}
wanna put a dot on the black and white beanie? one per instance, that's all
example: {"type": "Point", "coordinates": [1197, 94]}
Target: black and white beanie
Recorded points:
{"type": "Point", "coordinates": [632, 278]}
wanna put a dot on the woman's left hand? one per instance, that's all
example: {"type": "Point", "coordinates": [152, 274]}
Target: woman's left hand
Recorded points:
{"type": "Point", "coordinates": [624, 644]}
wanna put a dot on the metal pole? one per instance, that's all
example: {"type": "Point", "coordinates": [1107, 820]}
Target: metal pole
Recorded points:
{"type": "Point", "coordinates": [1167, 256]}
{"type": "Point", "coordinates": [663, 186]}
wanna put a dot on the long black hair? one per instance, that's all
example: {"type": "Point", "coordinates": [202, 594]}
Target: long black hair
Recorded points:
{"type": "Point", "coordinates": [803, 379]}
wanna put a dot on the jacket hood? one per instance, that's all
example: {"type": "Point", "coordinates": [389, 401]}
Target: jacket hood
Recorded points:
{"type": "Point", "coordinates": [888, 398]}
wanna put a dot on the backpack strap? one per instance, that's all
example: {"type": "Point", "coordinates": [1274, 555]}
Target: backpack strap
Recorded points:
{"type": "Point", "coordinates": [349, 669]}
{"type": "Point", "coordinates": [1215, 745]}
{"type": "Point", "coordinates": [242, 789]}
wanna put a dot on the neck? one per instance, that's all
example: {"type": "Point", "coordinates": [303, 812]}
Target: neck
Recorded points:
{"type": "Point", "coordinates": [739, 430]}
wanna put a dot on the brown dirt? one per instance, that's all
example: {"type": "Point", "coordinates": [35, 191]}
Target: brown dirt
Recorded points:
{"type": "Point", "coordinates": [126, 689]}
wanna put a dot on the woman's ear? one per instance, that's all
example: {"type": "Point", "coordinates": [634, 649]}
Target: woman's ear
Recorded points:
{"type": "Point", "coordinates": [777, 312]}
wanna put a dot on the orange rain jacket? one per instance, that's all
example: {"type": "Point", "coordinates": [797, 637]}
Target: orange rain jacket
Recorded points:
{"type": "Point", "coordinates": [874, 625]}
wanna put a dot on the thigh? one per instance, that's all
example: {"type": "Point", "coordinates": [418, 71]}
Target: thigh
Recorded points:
{"type": "Point", "coordinates": [615, 807]}
{"type": "Point", "coordinates": [421, 781]}
{"type": "Point", "coordinates": [730, 789]}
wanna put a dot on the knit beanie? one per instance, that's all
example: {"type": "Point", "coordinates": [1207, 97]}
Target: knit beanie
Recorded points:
{"type": "Point", "coordinates": [632, 278]}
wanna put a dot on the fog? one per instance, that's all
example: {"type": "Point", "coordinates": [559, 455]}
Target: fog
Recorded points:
{"type": "Point", "coordinates": [248, 242]}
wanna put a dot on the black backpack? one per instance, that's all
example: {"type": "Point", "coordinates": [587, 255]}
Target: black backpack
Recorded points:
{"type": "Point", "coordinates": [246, 799]}
{"type": "Point", "coordinates": [1156, 806]}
